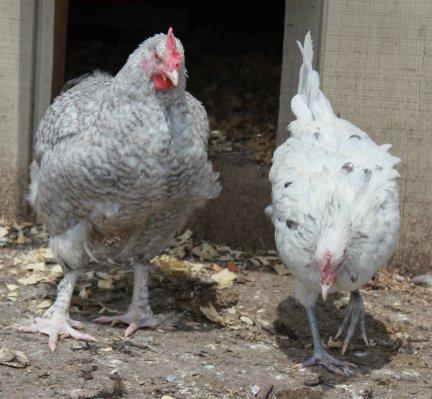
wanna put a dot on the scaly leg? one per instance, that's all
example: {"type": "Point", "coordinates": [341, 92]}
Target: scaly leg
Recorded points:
{"type": "Point", "coordinates": [139, 313]}
{"type": "Point", "coordinates": [355, 314]}
{"type": "Point", "coordinates": [56, 320]}
{"type": "Point", "coordinates": [320, 356]}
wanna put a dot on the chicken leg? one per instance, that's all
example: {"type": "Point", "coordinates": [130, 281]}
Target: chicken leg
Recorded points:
{"type": "Point", "coordinates": [355, 314]}
{"type": "Point", "coordinates": [139, 313]}
{"type": "Point", "coordinates": [320, 356]}
{"type": "Point", "coordinates": [56, 320]}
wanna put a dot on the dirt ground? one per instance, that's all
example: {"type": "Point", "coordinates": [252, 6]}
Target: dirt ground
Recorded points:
{"type": "Point", "coordinates": [257, 335]}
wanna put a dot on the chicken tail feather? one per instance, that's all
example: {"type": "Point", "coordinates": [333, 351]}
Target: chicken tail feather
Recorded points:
{"type": "Point", "coordinates": [309, 103]}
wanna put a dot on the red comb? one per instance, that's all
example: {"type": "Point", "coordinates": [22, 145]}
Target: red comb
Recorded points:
{"type": "Point", "coordinates": [173, 54]}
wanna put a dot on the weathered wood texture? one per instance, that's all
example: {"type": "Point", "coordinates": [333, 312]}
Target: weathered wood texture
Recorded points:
{"type": "Point", "coordinates": [17, 25]}
{"type": "Point", "coordinates": [29, 56]}
{"type": "Point", "coordinates": [376, 69]}
{"type": "Point", "coordinates": [43, 64]}
{"type": "Point", "coordinates": [301, 16]}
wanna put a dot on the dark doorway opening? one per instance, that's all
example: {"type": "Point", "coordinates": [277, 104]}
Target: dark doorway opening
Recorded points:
{"type": "Point", "coordinates": [233, 55]}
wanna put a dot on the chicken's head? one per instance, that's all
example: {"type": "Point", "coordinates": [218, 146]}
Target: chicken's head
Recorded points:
{"type": "Point", "coordinates": [331, 254]}
{"type": "Point", "coordinates": [329, 270]}
{"type": "Point", "coordinates": [163, 62]}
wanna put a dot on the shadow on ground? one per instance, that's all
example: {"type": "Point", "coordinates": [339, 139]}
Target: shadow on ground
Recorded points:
{"type": "Point", "coordinates": [294, 338]}
{"type": "Point", "coordinates": [169, 294]}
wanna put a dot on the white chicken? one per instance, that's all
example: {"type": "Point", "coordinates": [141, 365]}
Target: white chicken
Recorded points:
{"type": "Point", "coordinates": [335, 207]}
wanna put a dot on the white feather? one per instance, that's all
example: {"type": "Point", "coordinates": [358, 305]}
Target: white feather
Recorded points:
{"type": "Point", "coordinates": [339, 188]}
{"type": "Point", "coordinates": [33, 188]}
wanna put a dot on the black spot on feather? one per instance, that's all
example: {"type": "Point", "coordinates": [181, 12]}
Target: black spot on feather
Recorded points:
{"type": "Point", "coordinates": [368, 175]}
{"type": "Point", "coordinates": [287, 184]}
{"type": "Point", "coordinates": [355, 136]}
{"type": "Point", "coordinates": [317, 135]}
{"type": "Point", "coordinates": [348, 167]}
{"type": "Point", "coordinates": [291, 224]}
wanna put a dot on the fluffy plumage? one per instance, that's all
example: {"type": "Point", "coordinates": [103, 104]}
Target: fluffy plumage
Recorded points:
{"type": "Point", "coordinates": [334, 196]}
{"type": "Point", "coordinates": [122, 157]}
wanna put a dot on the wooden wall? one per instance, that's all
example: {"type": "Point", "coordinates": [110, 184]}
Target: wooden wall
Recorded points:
{"type": "Point", "coordinates": [17, 44]}
{"type": "Point", "coordinates": [301, 16]}
{"type": "Point", "coordinates": [376, 66]}
{"type": "Point", "coordinates": [31, 54]}
{"type": "Point", "coordinates": [375, 62]}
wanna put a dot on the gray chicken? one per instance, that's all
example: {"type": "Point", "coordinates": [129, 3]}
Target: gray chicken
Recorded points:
{"type": "Point", "coordinates": [120, 165]}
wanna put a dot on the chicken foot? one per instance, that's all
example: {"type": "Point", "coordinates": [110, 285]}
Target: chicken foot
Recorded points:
{"type": "Point", "coordinates": [354, 314]}
{"type": "Point", "coordinates": [139, 314]}
{"type": "Point", "coordinates": [56, 321]}
{"type": "Point", "coordinates": [320, 356]}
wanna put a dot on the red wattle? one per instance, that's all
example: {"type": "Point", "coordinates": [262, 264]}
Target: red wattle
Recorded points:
{"type": "Point", "coordinates": [161, 82]}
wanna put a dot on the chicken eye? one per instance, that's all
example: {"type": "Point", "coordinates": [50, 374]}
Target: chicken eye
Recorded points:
{"type": "Point", "coordinates": [157, 57]}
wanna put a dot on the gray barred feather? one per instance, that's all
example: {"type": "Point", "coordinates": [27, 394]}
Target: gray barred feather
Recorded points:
{"type": "Point", "coordinates": [120, 167]}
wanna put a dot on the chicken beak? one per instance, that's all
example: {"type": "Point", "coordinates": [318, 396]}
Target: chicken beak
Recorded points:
{"type": "Point", "coordinates": [172, 76]}
{"type": "Point", "coordinates": [324, 291]}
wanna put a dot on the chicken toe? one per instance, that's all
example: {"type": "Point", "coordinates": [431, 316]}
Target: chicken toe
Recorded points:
{"type": "Point", "coordinates": [139, 313]}
{"type": "Point", "coordinates": [136, 320]}
{"type": "Point", "coordinates": [54, 327]}
{"type": "Point", "coordinates": [322, 358]}
{"type": "Point", "coordinates": [56, 321]}
{"type": "Point", "coordinates": [354, 315]}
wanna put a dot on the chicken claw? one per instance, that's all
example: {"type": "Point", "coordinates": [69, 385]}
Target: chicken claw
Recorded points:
{"type": "Point", "coordinates": [136, 321]}
{"type": "Point", "coordinates": [56, 321]}
{"type": "Point", "coordinates": [355, 314]}
{"type": "Point", "coordinates": [54, 327]}
{"type": "Point", "coordinates": [139, 313]}
{"type": "Point", "coordinates": [322, 358]}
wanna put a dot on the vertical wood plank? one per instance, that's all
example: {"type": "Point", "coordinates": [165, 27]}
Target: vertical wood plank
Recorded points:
{"type": "Point", "coordinates": [43, 64]}
{"type": "Point", "coordinates": [376, 70]}
{"type": "Point", "coordinates": [301, 16]}
{"type": "Point", "coordinates": [17, 43]}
